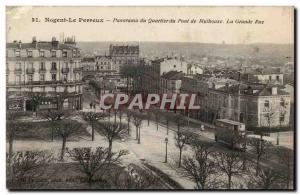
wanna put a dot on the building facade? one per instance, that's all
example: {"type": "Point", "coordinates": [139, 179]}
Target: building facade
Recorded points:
{"type": "Point", "coordinates": [50, 71]}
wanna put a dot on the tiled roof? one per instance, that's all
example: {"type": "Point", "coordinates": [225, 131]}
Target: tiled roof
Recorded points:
{"type": "Point", "coordinates": [173, 75]}
{"type": "Point", "coordinates": [88, 59]}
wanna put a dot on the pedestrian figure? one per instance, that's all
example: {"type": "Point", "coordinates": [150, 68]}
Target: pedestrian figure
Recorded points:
{"type": "Point", "coordinates": [94, 106]}
{"type": "Point", "coordinates": [91, 105]}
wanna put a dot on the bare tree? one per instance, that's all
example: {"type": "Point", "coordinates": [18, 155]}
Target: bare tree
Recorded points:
{"type": "Point", "coordinates": [53, 116]}
{"type": "Point", "coordinates": [23, 165]}
{"type": "Point", "coordinates": [181, 139]}
{"type": "Point", "coordinates": [260, 148]}
{"type": "Point", "coordinates": [65, 129]}
{"type": "Point", "coordinates": [92, 118]}
{"type": "Point", "coordinates": [286, 160]}
{"type": "Point", "coordinates": [199, 167]}
{"type": "Point", "coordinates": [137, 121]}
{"type": "Point", "coordinates": [128, 118]}
{"type": "Point", "coordinates": [230, 163]}
{"type": "Point", "coordinates": [134, 178]}
{"type": "Point", "coordinates": [168, 117]}
{"type": "Point", "coordinates": [267, 178]}
{"type": "Point", "coordinates": [179, 120]}
{"type": "Point", "coordinates": [157, 114]}
{"type": "Point", "coordinates": [12, 127]}
{"type": "Point", "coordinates": [97, 162]}
{"type": "Point", "coordinates": [111, 131]}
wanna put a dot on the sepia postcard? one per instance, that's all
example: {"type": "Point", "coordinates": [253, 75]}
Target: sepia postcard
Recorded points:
{"type": "Point", "coordinates": [150, 98]}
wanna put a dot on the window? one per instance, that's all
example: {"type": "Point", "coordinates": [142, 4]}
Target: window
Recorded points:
{"type": "Point", "coordinates": [53, 77]}
{"type": "Point", "coordinates": [267, 104]}
{"type": "Point", "coordinates": [270, 78]}
{"type": "Point", "coordinates": [101, 67]}
{"type": "Point", "coordinates": [281, 119]}
{"type": "Point", "coordinates": [53, 66]}
{"type": "Point", "coordinates": [17, 53]}
{"type": "Point", "coordinates": [277, 78]}
{"type": "Point", "coordinates": [97, 67]}
{"type": "Point", "coordinates": [65, 54]}
{"type": "Point", "coordinates": [65, 65]}
{"type": "Point", "coordinates": [18, 66]}
{"type": "Point", "coordinates": [30, 78]}
{"type": "Point", "coordinates": [18, 79]}
{"type": "Point", "coordinates": [42, 66]}
{"type": "Point", "coordinates": [30, 65]}
{"type": "Point", "coordinates": [53, 54]}
{"type": "Point", "coordinates": [65, 77]}
{"type": "Point", "coordinates": [42, 53]}
{"type": "Point", "coordinates": [74, 53]}
{"type": "Point", "coordinates": [282, 103]}
{"type": "Point", "coordinates": [29, 54]}
{"type": "Point", "coordinates": [42, 77]}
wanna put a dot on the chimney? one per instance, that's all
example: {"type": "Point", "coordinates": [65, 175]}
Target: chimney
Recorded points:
{"type": "Point", "coordinates": [274, 90]}
{"type": "Point", "coordinates": [20, 44]}
{"type": "Point", "coordinates": [54, 42]}
{"type": "Point", "coordinates": [34, 42]}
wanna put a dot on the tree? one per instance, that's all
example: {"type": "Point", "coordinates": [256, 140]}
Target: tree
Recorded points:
{"type": "Point", "coordinates": [137, 121]}
{"type": "Point", "coordinates": [111, 131]}
{"type": "Point", "coordinates": [230, 163]}
{"type": "Point", "coordinates": [199, 167]}
{"type": "Point", "coordinates": [157, 114]}
{"type": "Point", "coordinates": [35, 102]}
{"type": "Point", "coordinates": [267, 178]}
{"type": "Point", "coordinates": [260, 148]}
{"type": "Point", "coordinates": [179, 120]}
{"type": "Point", "coordinates": [96, 162]}
{"type": "Point", "coordinates": [285, 158]}
{"type": "Point", "coordinates": [23, 165]}
{"type": "Point", "coordinates": [65, 129]}
{"type": "Point", "coordinates": [92, 118]}
{"type": "Point", "coordinates": [12, 127]}
{"type": "Point", "coordinates": [53, 116]}
{"type": "Point", "coordinates": [128, 118]}
{"type": "Point", "coordinates": [168, 117]}
{"type": "Point", "coordinates": [181, 139]}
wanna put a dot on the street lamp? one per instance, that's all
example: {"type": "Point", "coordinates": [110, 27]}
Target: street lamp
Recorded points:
{"type": "Point", "coordinates": [166, 157]}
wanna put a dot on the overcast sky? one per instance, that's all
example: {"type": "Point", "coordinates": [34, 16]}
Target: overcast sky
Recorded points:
{"type": "Point", "coordinates": [277, 28]}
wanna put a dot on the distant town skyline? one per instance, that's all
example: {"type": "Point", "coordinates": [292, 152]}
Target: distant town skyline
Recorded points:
{"type": "Point", "coordinates": [278, 27]}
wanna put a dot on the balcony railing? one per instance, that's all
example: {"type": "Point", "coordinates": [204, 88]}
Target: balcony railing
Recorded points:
{"type": "Point", "coordinates": [77, 69]}
{"type": "Point", "coordinates": [18, 71]}
{"type": "Point", "coordinates": [65, 70]}
{"type": "Point", "coordinates": [42, 70]}
{"type": "Point", "coordinates": [29, 70]}
{"type": "Point", "coordinates": [53, 70]}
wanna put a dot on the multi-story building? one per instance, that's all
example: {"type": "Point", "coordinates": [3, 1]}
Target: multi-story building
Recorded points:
{"type": "Point", "coordinates": [124, 54]}
{"type": "Point", "coordinates": [49, 70]}
{"type": "Point", "coordinates": [256, 105]}
{"type": "Point", "coordinates": [170, 82]}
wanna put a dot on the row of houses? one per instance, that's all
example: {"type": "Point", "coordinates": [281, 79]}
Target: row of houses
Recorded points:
{"type": "Point", "coordinates": [256, 99]}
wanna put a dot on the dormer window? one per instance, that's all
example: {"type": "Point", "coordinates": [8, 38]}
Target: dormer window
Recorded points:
{"type": "Point", "coordinates": [53, 54]}
{"type": "Point", "coordinates": [29, 54]}
{"type": "Point", "coordinates": [17, 53]}
{"type": "Point", "coordinates": [42, 53]}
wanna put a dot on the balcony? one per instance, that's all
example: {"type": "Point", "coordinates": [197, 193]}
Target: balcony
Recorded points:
{"type": "Point", "coordinates": [77, 69]}
{"type": "Point", "coordinates": [29, 70]}
{"type": "Point", "coordinates": [53, 70]}
{"type": "Point", "coordinates": [42, 70]}
{"type": "Point", "coordinates": [65, 70]}
{"type": "Point", "coordinates": [18, 71]}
